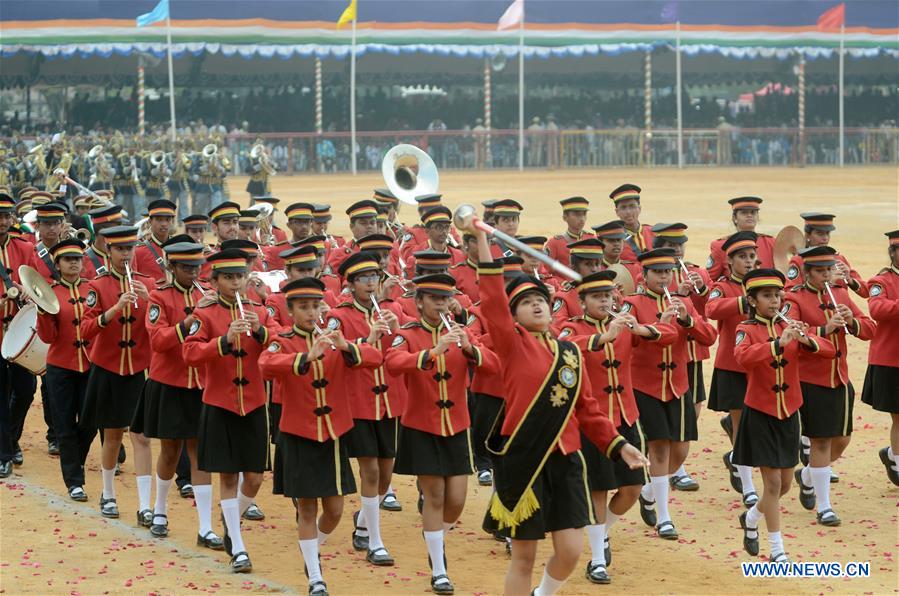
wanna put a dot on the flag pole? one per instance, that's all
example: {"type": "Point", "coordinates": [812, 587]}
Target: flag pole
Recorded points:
{"type": "Point", "coordinates": [842, 123]}
{"type": "Point", "coordinates": [521, 91]}
{"type": "Point", "coordinates": [353, 99]}
{"type": "Point", "coordinates": [168, 37]}
{"type": "Point", "coordinates": [680, 110]}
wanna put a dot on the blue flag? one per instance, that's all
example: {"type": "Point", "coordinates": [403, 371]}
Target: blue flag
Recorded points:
{"type": "Point", "coordinates": [160, 13]}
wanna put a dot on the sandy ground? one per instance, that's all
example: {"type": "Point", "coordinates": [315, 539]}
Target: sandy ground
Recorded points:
{"type": "Point", "coordinates": [49, 544]}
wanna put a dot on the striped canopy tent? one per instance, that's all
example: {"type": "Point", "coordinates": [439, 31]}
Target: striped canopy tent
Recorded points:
{"type": "Point", "coordinates": [72, 41]}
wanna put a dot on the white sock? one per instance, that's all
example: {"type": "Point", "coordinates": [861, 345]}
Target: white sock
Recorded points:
{"type": "Point", "coordinates": [309, 549]}
{"type": "Point", "coordinates": [548, 585]}
{"type": "Point", "coordinates": [373, 519]}
{"type": "Point", "coordinates": [108, 483]}
{"type": "Point", "coordinates": [322, 537]}
{"type": "Point", "coordinates": [777, 542]}
{"type": "Point", "coordinates": [646, 491]}
{"type": "Point", "coordinates": [611, 518]}
{"type": "Point", "coordinates": [681, 471]}
{"type": "Point", "coordinates": [243, 501]}
{"type": "Point", "coordinates": [144, 486]}
{"type": "Point", "coordinates": [821, 482]}
{"type": "Point", "coordinates": [230, 510]}
{"type": "Point", "coordinates": [754, 516]}
{"type": "Point", "coordinates": [203, 498]}
{"type": "Point", "coordinates": [745, 473]}
{"type": "Point", "coordinates": [434, 540]}
{"type": "Point", "coordinates": [597, 536]}
{"type": "Point", "coordinates": [893, 457]}
{"type": "Point", "coordinates": [806, 475]}
{"type": "Point", "coordinates": [162, 495]}
{"type": "Point", "coordinates": [660, 490]}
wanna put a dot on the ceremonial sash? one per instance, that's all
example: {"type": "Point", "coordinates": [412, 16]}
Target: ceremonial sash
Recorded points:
{"type": "Point", "coordinates": [44, 256]}
{"type": "Point", "coordinates": [159, 260]}
{"type": "Point", "coordinates": [99, 267]}
{"type": "Point", "coordinates": [519, 458]}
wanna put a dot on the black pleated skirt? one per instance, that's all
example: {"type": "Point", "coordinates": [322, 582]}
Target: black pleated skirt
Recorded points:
{"type": "Point", "coordinates": [674, 420]}
{"type": "Point", "coordinates": [728, 390]}
{"type": "Point", "coordinates": [881, 388]}
{"type": "Point", "coordinates": [309, 469]}
{"type": "Point", "coordinates": [373, 438]}
{"type": "Point", "coordinates": [766, 441]}
{"type": "Point", "coordinates": [697, 381]}
{"type": "Point", "coordinates": [826, 412]}
{"type": "Point", "coordinates": [110, 399]}
{"type": "Point", "coordinates": [605, 474]}
{"type": "Point", "coordinates": [423, 454]}
{"type": "Point", "coordinates": [230, 443]}
{"type": "Point", "coordinates": [171, 412]}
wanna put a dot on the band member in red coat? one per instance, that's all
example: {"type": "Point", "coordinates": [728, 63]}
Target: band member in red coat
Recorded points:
{"type": "Point", "coordinates": [299, 263]}
{"type": "Point", "coordinates": [68, 364]}
{"type": "Point", "coordinates": [586, 258]}
{"type": "Point", "coordinates": [310, 366]}
{"type": "Point", "coordinates": [363, 222]}
{"type": "Point", "coordinates": [882, 376]}
{"type": "Point", "coordinates": [225, 224]}
{"type": "Point", "coordinates": [540, 479]}
{"type": "Point", "coordinates": [225, 341]}
{"type": "Point", "coordinates": [376, 398]}
{"type": "Point", "coordinates": [827, 392]}
{"type": "Point", "coordinates": [745, 217]}
{"type": "Point", "coordinates": [606, 341]}
{"type": "Point", "coordinates": [437, 222]}
{"type": "Point", "coordinates": [727, 305]}
{"type": "Point", "coordinates": [626, 199]}
{"type": "Point", "coordinates": [149, 258]}
{"type": "Point", "coordinates": [279, 234]}
{"type": "Point", "coordinates": [666, 412]}
{"type": "Point", "coordinates": [770, 350]}
{"type": "Point", "coordinates": [818, 228]}
{"type": "Point", "coordinates": [97, 254]}
{"type": "Point", "coordinates": [50, 221]}
{"type": "Point", "coordinates": [195, 226]}
{"type": "Point", "coordinates": [574, 214]}
{"type": "Point", "coordinates": [693, 284]}
{"type": "Point", "coordinates": [173, 395]}
{"type": "Point", "coordinates": [299, 222]}
{"type": "Point", "coordinates": [612, 235]}
{"type": "Point", "coordinates": [120, 352]}
{"type": "Point", "coordinates": [466, 272]}
{"type": "Point", "coordinates": [321, 218]}
{"type": "Point", "coordinates": [435, 438]}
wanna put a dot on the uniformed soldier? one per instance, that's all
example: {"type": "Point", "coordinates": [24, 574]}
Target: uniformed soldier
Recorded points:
{"type": "Point", "coordinates": [149, 258]}
{"type": "Point", "coordinates": [51, 218]}
{"type": "Point", "coordinates": [745, 217]}
{"type": "Point", "coordinates": [574, 214]}
{"type": "Point", "coordinates": [626, 199]}
{"type": "Point", "coordinates": [818, 228]}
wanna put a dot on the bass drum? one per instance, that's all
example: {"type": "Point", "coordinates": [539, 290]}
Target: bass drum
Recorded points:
{"type": "Point", "coordinates": [21, 345]}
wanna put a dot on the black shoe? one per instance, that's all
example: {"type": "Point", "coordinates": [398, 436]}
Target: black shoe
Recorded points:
{"type": "Point", "coordinates": [360, 543]}
{"type": "Point", "coordinates": [667, 531]}
{"type": "Point", "coordinates": [118, 469]}
{"type": "Point", "coordinates": [834, 478]}
{"type": "Point", "coordinates": [421, 501]}
{"type": "Point", "coordinates": [750, 545]}
{"type": "Point", "coordinates": [18, 458]}
{"type": "Point", "coordinates": [607, 552]}
{"type": "Point", "coordinates": [226, 539]}
{"type": "Point", "coordinates": [885, 459]}
{"type": "Point", "coordinates": [683, 483]}
{"type": "Point", "coordinates": [829, 518]}
{"type": "Point", "coordinates": [750, 499]}
{"type": "Point", "coordinates": [390, 503]}
{"type": "Point", "coordinates": [122, 455]}
{"type": "Point", "coordinates": [318, 588]}
{"type": "Point", "coordinates": [160, 530]}
{"type": "Point", "coordinates": [242, 566]}
{"type": "Point", "coordinates": [735, 482]}
{"type": "Point", "coordinates": [440, 584]}
{"type": "Point", "coordinates": [804, 452]}
{"type": "Point", "coordinates": [5, 469]}
{"type": "Point", "coordinates": [806, 493]}
{"type": "Point", "coordinates": [210, 541]}
{"type": "Point", "coordinates": [253, 513]}
{"type": "Point", "coordinates": [379, 557]}
{"type": "Point", "coordinates": [145, 518]}
{"type": "Point", "coordinates": [76, 493]}
{"type": "Point", "coordinates": [485, 478]}
{"type": "Point", "coordinates": [53, 448]}
{"type": "Point", "coordinates": [186, 491]}
{"type": "Point", "coordinates": [109, 508]}
{"type": "Point", "coordinates": [648, 511]}
{"type": "Point", "coordinates": [727, 424]}
{"type": "Point", "coordinates": [597, 574]}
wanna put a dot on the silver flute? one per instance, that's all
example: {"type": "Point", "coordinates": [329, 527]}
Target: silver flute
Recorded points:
{"type": "Point", "coordinates": [130, 281]}
{"type": "Point", "coordinates": [446, 323]}
{"type": "Point", "coordinates": [616, 315]}
{"type": "Point", "coordinates": [686, 271]}
{"type": "Point", "coordinates": [790, 321]}
{"type": "Point", "coordinates": [834, 301]}
{"type": "Point", "coordinates": [320, 331]}
{"type": "Point", "coordinates": [243, 314]}
{"type": "Point", "coordinates": [374, 302]}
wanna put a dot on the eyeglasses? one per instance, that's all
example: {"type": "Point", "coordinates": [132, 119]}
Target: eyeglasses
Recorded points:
{"type": "Point", "coordinates": [369, 277]}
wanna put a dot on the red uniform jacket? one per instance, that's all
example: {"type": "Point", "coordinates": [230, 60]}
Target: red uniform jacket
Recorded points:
{"type": "Point", "coordinates": [566, 304]}
{"type": "Point", "coordinates": [456, 257]}
{"type": "Point", "coordinates": [609, 366]}
{"type": "Point", "coordinates": [466, 276]}
{"type": "Point", "coordinates": [279, 234]}
{"type": "Point", "coordinates": [717, 263]}
{"type": "Point", "coordinates": [96, 261]}
{"type": "Point", "coordinates": [526, 358]}
{"type": "Point", "coordinates": [374, 393]}
{"type": "Point", "coordinates": [727, 304]}
{"type": "Point", "coordinates": [271, 254]}
{"type": "Point", "coordinates": [637, 243]}
{"type": "Point", "coordinates": [336, 256]}
{"type": "Point", "coordinates": [314, 394]}
{"type": "Point", "coordinates": [884, 308]}
{"type": "Point", "coordinates": [483, 381]}
{"type": "Point", "coordinates": [698, 351]}
{"type": "Point", "coordinates": [662, 361]}
{"type": "Point", "coordinates": [149, 259]}
{"type": "Point", "coordinates": [813, 307]}
{"type": "Point", "coordinates": [772, 371]}
{"type": "Point", "coordinates": [14, 252]}
{"type": "Point", "coordinates": [437, 402]}
{"type": "Point", "coordinates": [557, 246]}
{"type": "Point", "coordinates": [62, 331]}
{"type": "Point", "coordinates": [796, 278]}
{"type": "Point", "coordinates": [407, 304]}
{"type": "Point", "coordinates": [233, 378]}
{"type": "Point", "coordinates": [169, 306]}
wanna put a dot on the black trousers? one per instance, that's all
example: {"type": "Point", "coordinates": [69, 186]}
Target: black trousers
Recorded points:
{"type": "Point", "coordinates": [48, 416]}
{"type": "Point", "coordinates": [17, 387]}
{"type": "Point", "coordinates": [66, 390]}
{"type": "Point", "coordinates": [182, 472]}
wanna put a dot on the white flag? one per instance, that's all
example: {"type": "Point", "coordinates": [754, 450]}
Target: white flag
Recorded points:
{"type": "Point", "coordinates": [513, 16]}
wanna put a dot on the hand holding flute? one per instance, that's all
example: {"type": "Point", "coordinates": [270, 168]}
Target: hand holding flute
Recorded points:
{"type": "Point", "coordinates": [449, 328]}
{"type": "Point", "coordinates": [243, 314]}
{"type": "Point", "coordinates": [791, 323]}
{"type": "Point", "coordinates": [687, 277]}
{"type": "Point", "coordinates": [833, 301]}
{"type": "Point", "coordinates": [377, 307]}
{"type": "Point", "coordinates": [321, 331]}
{"type": "Point", "coordinates": [130, 282]}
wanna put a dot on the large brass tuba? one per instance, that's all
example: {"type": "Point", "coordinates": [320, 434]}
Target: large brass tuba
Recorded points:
{"type": "Point", "coordinates": [409, 172]}
{"type": "Point", "coordinates": [259, 152]}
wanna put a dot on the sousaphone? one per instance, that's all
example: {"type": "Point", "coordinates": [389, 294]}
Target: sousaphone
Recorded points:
{"type": "Point", "coordinates": [788, 242]}
{"type": "Point", "coordinates": [409, 172]}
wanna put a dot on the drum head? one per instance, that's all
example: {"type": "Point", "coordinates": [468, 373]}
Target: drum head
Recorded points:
{"type": "Point", "coordinates": [19, 332]}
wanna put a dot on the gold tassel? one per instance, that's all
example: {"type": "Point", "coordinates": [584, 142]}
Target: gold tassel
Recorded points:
{"type": "Point", "coordinates": [526, 506]}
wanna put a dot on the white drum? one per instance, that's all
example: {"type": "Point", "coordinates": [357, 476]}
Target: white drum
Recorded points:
{"type": "Point", "coordinates": [21, 344]}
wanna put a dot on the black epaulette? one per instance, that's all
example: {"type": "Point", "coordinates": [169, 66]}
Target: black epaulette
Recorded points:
{"type": "Point", "coordinates": [253, 303]}
{"type": "Point", "coordinates": [206, 305]}
{"type": "Point", "coordinates": [104, 274]}
{"type": "Point", "coordinates": [882, 271]}
{"type": "Point", "coordinates": [577, 318]}
{"type": "Point", "coordinates": [566, 286]}
{"type": "Point", "coordinates": [750, 322]}
{"type": "Point", "coordinates": [288, 333]}
{"type": "Point", "coordinates": [409, 294]}
{"type": "Point", "coordinates": [797, 288]}
{"type": "Point", "coordinates": [344, 305]}
{"type": "Point", "coordinates": [411, 325]}
{"type": "Point", "coordinates": [164, 285]}
{"type": "Point", "coordinates": [722, 278]}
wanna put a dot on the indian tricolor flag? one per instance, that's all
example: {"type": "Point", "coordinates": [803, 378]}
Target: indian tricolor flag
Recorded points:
{"type": "Point", "coordinates": [833, 19]}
